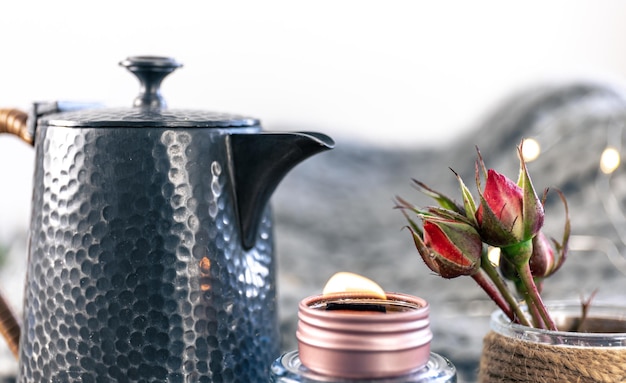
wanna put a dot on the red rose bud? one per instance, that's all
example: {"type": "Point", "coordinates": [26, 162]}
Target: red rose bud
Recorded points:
{"type": "Point", "coordinates": [549, 255]}
{"type": "Point", "coordinates": [508, 213]}
{"type": "Point", "coordinates": [499, 215]}
{"type": "Point", "coordinates": [542, 261]}
{"type": "Point", "coordinates": [450, 248]}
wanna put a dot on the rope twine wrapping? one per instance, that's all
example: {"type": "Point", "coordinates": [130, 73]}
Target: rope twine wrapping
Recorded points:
{"type": "Point", "coordinates": [505, 359]}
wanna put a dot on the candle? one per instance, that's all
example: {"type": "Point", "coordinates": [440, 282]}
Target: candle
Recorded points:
{"type": "Point", "coordinates": [362, 334]}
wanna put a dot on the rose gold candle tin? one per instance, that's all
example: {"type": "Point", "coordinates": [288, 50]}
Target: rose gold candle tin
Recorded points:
{"type": "Point", "coordinates": [354, 335]}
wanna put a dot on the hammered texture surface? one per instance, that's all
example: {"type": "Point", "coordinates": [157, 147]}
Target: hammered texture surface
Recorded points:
{"type": "Point", "coordinates": [136, 271]}
{"type": "Point", "coordinates": [148, 117]}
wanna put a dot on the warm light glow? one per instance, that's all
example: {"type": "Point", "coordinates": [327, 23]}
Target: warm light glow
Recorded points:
{"type": "Point", "coordinates": [530, 149]}
{"type": "Point", "coordinates": [494, 255]}
{"type": "Point", "coordinates": [610, 160]}
{"type": "Point", "coordinates": [205, 265]}
{"type": "Point", "coordinates": [344, 282]}
{"type": "Point", "coordinates": [205, 274]}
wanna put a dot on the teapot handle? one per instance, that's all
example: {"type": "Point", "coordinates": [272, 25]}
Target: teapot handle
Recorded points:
{"type": "Point", "coordinates": [14, 121]}
{"type": "Point", "coordinates": [9, 327]}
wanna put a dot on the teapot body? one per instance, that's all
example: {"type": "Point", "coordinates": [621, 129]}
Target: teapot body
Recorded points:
{"type": "Point", "coordinates": [136, 268]}
{"type": "Point", "coordinates": [151, 247]}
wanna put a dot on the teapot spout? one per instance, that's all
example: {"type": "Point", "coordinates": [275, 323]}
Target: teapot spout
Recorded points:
{"type": "Point", "coordinates": [260, 162]}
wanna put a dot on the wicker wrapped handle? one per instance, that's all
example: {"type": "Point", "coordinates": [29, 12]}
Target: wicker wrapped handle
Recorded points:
{"type": "Point", "coordinates": [14, 121]}
{"type": "Point", "coordinates": [9, 327]}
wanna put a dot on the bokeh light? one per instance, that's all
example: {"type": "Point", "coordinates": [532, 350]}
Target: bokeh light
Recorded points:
{"type": "Point", "coordinates": [530, 149]}
{"type": "Point", "coordinates": [610, 160]}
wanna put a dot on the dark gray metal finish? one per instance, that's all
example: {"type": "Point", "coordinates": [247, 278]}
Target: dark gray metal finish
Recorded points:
{"type": "Point", "coordinates": [256, 180]}
{"type": "Point", "coordinates": [150, 70]}
{"type": "Point", "coordinates": [151, 249]}
{"type": "Point", "coordinates": [148, 118]}
{"type": "Point", "coordinates": [137, 271]}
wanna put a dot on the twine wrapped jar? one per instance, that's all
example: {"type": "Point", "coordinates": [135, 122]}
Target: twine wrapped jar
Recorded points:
{"type": "Point", "coordinates": [592, 352]}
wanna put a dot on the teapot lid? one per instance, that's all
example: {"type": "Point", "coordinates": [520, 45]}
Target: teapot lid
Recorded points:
{"type": "Point", "coordinates": [149, 108]}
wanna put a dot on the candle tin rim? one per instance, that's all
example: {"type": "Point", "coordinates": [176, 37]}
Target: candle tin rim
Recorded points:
{"type": "Point", "coordinates": [415, 306]}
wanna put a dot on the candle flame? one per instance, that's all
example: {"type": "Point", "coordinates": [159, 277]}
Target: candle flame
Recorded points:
{"type": "Point", "coordinates": [345, 282]}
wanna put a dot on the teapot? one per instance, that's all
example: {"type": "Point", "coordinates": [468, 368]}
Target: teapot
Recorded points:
{"type": "Point", "coordinates": [150, 242]}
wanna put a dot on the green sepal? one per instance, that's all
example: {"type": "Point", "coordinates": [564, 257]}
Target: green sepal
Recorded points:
{"type": "Point", "coordinates": [443, 200]}
{"type": "Point", "coordinates": [468, 201]}
{"type": "Point", "coordinates": [518, 254]}
{"type": "Point", "coordinates": [532, 209]}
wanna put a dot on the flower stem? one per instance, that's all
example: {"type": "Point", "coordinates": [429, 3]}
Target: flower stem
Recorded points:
{"type": "Point", "coordinates": [532, 308]}
{"type": "Point", "coordinates": [485, 283]}
{"type": "Point", "coordinates": [532, 296]}
{"type": "Point", "coordinates": [539, 322]}
{"type": "Point", "coordinates": [492, 273]}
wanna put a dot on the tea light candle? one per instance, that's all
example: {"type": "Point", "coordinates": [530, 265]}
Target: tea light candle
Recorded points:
{"type": "Point", "coordinates": [362, 334]}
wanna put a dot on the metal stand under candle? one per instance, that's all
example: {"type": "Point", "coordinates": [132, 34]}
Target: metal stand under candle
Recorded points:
{"type": "Point", "coordinates": [356, 337]}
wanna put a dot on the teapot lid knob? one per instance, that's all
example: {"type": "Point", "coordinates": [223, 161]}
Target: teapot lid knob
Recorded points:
{"type": "Point", "coordinates": [150, 70]}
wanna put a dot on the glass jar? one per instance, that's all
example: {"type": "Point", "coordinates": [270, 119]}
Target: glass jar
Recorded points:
{"type": "Point", "coordinates": [289, 369]}
{"type": "Point", "coordinates": [605, 326]}
{"type": "Point", "coordinates": [591, 351]}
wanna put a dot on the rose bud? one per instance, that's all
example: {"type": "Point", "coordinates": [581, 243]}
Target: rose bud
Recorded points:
{"type": "Point", "coordinates": [449, 247]}
{"type": "Point", "coordinates": [542, 261]}
{"type": "Point", "coordinates": [508, 213]}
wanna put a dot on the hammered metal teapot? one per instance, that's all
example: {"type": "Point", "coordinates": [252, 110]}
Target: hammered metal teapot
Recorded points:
{"type": "Point", "coordinates": [150, 249]}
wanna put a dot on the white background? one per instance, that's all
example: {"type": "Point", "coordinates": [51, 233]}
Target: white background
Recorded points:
{"type": "Point", "coordinates": [395, 73]}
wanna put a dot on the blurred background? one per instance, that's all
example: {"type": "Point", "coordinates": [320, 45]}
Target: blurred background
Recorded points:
{"type": "Point", "coordinates": [405, 88]}
{"type": "Point", "coordinates": [407, 74]}
{"type": "Point", "coordinates": [403, 74]}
